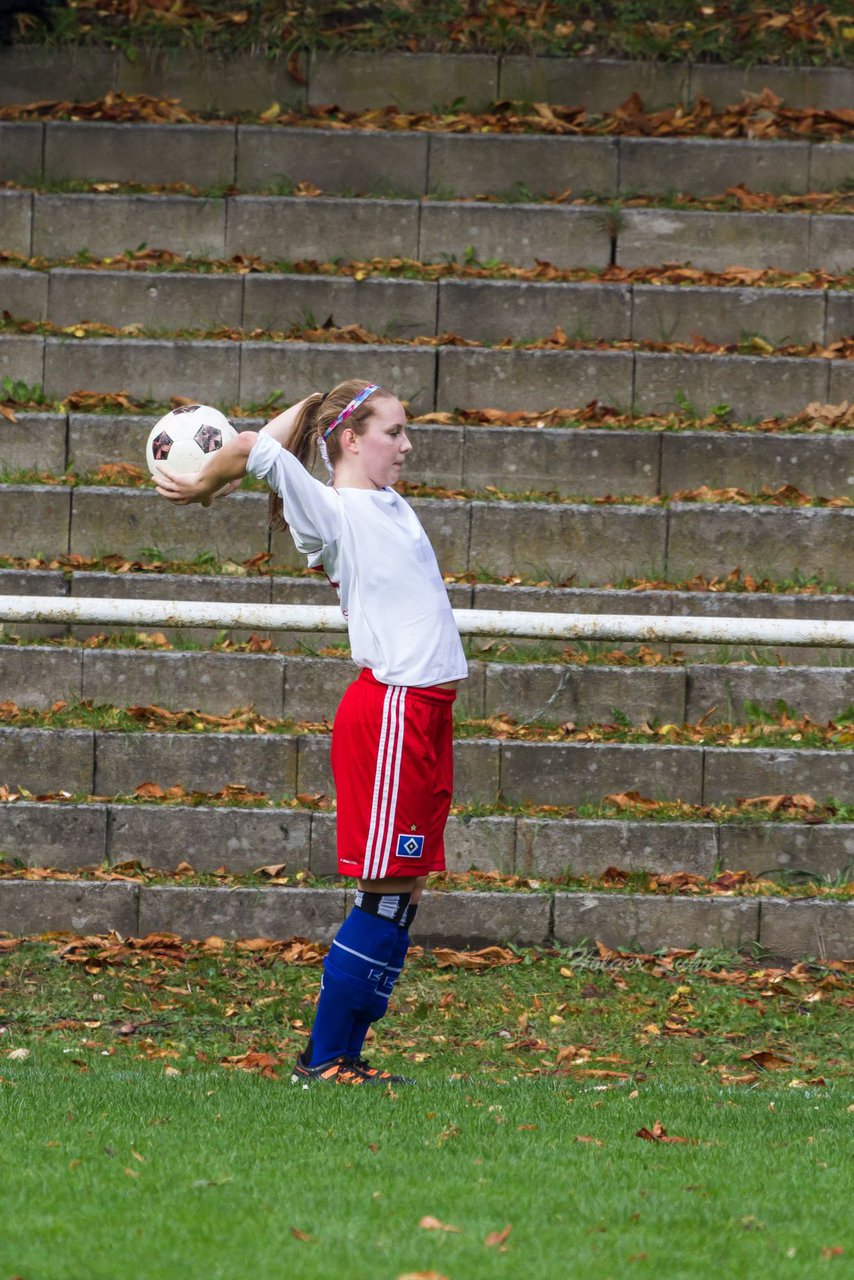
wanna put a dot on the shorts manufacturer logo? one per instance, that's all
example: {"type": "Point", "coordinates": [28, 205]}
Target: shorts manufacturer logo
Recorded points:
{"type": "Point", "coordinates": [410, 846]}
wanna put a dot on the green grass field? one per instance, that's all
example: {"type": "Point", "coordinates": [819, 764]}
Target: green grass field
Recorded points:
{"type": "Point", "coordinates": [131, 1146]}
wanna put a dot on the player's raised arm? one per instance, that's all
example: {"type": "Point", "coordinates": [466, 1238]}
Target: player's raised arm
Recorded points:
{"type": "Point", "coordinates": [218, 469]}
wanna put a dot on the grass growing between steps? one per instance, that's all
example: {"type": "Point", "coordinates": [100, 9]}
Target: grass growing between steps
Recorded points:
{"type": "Point", "coordinates": [158, 261]}
{"type": "Point", "coordinates": [593, 653]}
{"type": "Point", "coordinates": [777, 728]}
{"type": "Point", "coordinates": [634, 1094]}
{"type": "Point", "coordinates": [350, 334]}
{"type": "Point", "coordinates": [800, 809]}
{"type": "Point", "coordinates": [154, 561]}
{"type": "Point", "coordinates": [777, 883]}
{"type": "Point", "coordinates": [731, 200]}
{"type": "Point", "coordinates": [16, 396]}
{"type": "Point", "coordinates": [127, 475]}
{"type": "Point", "coordinates": [738, 31]}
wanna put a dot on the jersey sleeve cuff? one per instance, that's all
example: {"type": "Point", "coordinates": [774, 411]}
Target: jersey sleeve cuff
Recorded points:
{"type": "Point", "coordinates": [262, 456]}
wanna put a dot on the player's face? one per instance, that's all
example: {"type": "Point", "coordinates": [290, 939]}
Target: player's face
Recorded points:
{"type": "Point", "coordinates": [384, 444]}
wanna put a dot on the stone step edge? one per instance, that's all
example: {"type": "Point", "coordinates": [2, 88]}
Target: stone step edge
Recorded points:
{"type": "Point", "coordinates": [799, 929]}
{"type": "Point", "coordinates": [255, 158]}
{"type": "Point", "coordinates": [675, 541]}
{"type": "Point", "coordinates": [610, 205]}
{"type": "Point", "coordinates": [590, 282]}
{"type": "Point", "coordinates": [574, 425]}
{"type": "Point", "coordinates": [71, 430]}
{"type": "Point", "coordinates": [341, 664]}
{"type": "Point", "coordinates": [433, 491]}
{"type": "Point", "coordinates": [302, 686]}
{"type": "Point", "coordinates": [71, 837]}
{"type": "Point", "coordinates": [337, 227]}
{"type": "Point", "coordinates": [618, 312]}
{"type": "Point", "coordinates": [54, 336]}
{"type": "Point", "coordinates": [489, 770]}
{"type": "Point", "coordinates": [323, 228]}
{"type": "Point", "coordinates": [247, 81]}
{"type": "Point", "coordinates": [431, 377]}
{"type": "Point", "coordinates": [661, 506]}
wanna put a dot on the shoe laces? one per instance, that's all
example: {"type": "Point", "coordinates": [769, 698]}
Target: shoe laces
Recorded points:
{"type": "Point", "coordinates": [362, 1064]}
{"type": "Point", "coordinates": [351, 1072]}
{"type": "Point", "coordinates": [377, 1073]}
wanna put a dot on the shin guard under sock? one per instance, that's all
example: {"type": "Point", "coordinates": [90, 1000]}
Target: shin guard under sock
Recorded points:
{"type": "Point", "coordinates": [352, 972]}
{"type": "Point", "coordinates": [362, 1022]}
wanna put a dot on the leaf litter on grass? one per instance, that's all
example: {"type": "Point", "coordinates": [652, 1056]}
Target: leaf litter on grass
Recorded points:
{"type": "Point", "coordinates": [545, 1050]}
{"type": "Point", "coordinates": [157, 260]}
{"type": "Point", "coordinates": [736, 31]}
{"type": "Point", "coordinates": [842, 349]}
{"type": "Point", "coordinates": [759, 116]}
{"type": "Point", "coordinates": [779, 883]}
{"type": "Point", "coordinates": [599, 1020]}
{"type": "Point", "coordinates": [782, 727]}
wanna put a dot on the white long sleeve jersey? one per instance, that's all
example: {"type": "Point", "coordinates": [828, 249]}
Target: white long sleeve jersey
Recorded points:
{"type": "Point", "coordinates": [371, 546]}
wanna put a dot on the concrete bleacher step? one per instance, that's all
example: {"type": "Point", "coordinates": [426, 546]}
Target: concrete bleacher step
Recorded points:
{"type": "Point", "coordinates": [584, 542]}
{"type": "Point", "coordinates": [109, 763]}
{"type": "Point", "coordinates": [777, 926]}
{"type": "Point", "coordinates": [288, 229]}
{"type": "Point", "coordinates": [243, 82]}
{"type": "Point", "coordinates": [306, 688]}
{"type": "Point", "coordinates": [566, 461]}
{"type": "Point", "coordinates": [485, 310]}
{"type": "Point", "coordinates": [278, 227]}
{"type": "Point", "coordinates": [442, 378]}
{"type": "Point", "coordinates": [69, 837]}
{"type": "Point", "coordinates": [253, 158]}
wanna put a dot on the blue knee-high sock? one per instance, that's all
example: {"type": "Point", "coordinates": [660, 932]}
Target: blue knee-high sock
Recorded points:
{"type": "Point", "coordinates": [362, 1022]}
{"type": "Point", "coordinates": [357, 960]}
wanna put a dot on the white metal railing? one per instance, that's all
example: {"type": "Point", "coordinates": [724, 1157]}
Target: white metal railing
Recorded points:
{"type": "Point", "coordinates": [109, 611]}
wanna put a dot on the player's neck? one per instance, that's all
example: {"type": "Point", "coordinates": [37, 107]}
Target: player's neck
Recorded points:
{"type": "Point", "coordinates": [350, 477]}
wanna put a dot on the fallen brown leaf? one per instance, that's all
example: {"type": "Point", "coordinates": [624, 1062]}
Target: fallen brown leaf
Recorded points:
{"type": "Point", "coordinates": [768, 1060]}
{"type": "Point", "coordinates": [263, 1063]}
{"type": "Point", "coordinates": [498, 1237]}
{"type": "Point", "coordinates": [485, 958]}
{"type": "Point", "coordinates": [433, 1224]}
{"type": "Point", "coordinates": [658, 1133]}
{"type": "Point", "coordinates": [422, 1275]}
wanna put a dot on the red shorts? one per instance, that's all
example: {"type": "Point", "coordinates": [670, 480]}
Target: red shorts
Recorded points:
{"type": "Point", "coordinates": [392, 760]}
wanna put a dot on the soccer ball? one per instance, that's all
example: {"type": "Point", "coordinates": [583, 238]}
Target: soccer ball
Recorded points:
{"type": "Point", "coordinates": [186, 435]}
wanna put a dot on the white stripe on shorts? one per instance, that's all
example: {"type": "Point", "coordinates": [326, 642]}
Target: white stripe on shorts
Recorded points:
{"type": "Point", "coordinates": [377, 785]}
{"type": "Point", "coordinates": [386, 778]}
{"type": "Point", "coordinates": [398, 757]}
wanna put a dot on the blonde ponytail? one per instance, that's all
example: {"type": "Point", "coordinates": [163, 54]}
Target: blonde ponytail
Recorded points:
{"type": "Point", "coordinates": [302, 443]}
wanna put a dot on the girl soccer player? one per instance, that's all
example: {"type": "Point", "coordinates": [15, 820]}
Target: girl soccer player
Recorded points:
{"type": "Point", "coordinates": [391, 740]}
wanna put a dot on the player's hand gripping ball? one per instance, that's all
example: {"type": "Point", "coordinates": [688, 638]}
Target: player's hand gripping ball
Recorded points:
{"type": "Point", "coordinates": [185, 437]}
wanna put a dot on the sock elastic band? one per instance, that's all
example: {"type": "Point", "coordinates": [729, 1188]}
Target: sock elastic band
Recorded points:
{"type": "Point", "coordinates": [389, 906]}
